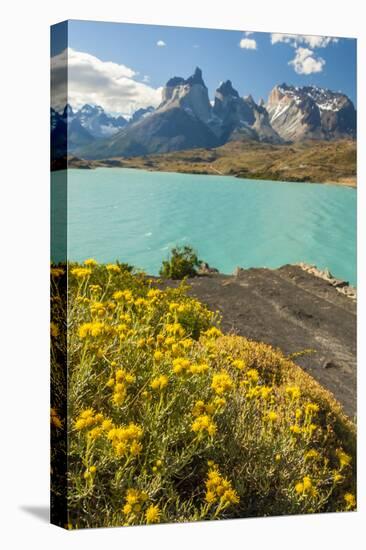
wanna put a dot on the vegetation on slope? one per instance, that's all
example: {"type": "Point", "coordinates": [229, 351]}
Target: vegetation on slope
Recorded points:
{"type": "Point", "coordinates": [310, 161]}
{"type": "Point", "coordinates": [169, 420]}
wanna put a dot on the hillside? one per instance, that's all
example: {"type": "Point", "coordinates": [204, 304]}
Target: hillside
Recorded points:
{"type": "Point", "coordinates": [310, 161]}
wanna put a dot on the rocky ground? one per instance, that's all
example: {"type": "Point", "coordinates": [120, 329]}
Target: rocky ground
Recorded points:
{"type": "Point", "coordinates": [295, 309]}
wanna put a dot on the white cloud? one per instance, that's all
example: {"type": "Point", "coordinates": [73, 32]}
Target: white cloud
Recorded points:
{"type": "Point", "coordinates": [248, 33]}
{"type": "Point", "coordinates": [305, 62]}
{"type": "Point", "coordinates": [90, 80]}
{"type": "Point", "coordinates": [161, 43]}
{"type": "Point", "coordinates": [248, 44]}
{"type": "Point", "coordinates": [313, 41]}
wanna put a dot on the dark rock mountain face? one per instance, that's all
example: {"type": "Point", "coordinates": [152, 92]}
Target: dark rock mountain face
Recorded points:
{"type": "Point", "coordinates": [310, 112]}
{"type": "Point", "coordinates": [240, 117]}
{"type": "Point", "coordinates": [180, 122]}
{"type": "Point", "coordinates": [141, 113]}
{"type": "Point", "coordinates": [186, 119]}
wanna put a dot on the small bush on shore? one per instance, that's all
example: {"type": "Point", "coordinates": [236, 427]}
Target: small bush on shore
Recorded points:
{"type": "Point", "coordinates": [183, 262]}
{"type": "Point", "coordinates": [169, 420]}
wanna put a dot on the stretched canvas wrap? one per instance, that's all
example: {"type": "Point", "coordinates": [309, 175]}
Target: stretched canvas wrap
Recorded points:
{"type": "Point", "coordinates": [203, 274]}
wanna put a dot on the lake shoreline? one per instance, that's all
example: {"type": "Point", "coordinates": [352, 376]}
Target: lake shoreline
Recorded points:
{"type": "Point", "coordinates": [311, 161]}
{"type": "Point", "coordinates": [294, 308]}
{"type": "Point", "coordinates": [83, 164]}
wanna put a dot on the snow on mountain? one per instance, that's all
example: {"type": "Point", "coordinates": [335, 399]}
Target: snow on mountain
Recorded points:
{"type": "Point", "coordinates": [186, 118]}
{"type": "Point", "coordinates": [310, 112]}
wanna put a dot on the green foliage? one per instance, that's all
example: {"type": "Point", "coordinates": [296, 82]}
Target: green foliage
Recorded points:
{"type": "Point", "coordinates": [169, 420]}
{"type": "Point", "coordinates": [183, 262]}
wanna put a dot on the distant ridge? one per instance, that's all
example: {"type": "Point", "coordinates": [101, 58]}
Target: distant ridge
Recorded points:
{"type": "Point", "coordinates": [185, 119]}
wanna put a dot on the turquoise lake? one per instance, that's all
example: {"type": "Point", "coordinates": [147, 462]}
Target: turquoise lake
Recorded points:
{"type": "Point", "coordinates": [137, 216]}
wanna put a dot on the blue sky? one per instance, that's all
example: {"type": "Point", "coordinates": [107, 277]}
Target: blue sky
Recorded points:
{"type": "Point", "coordinates": [263, 61]}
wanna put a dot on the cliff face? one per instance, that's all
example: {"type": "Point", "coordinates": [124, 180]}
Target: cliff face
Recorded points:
{"type": "Point", "coordinates": [309, 112]}
{"type": "Point", "coordinates": [186, 119]}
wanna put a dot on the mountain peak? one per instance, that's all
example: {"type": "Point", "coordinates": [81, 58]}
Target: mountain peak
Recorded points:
{"type": "Point", "coordinates": [249, 99]}
{"type": "Point", "coordinates": [68, 111]}
{"type": "Point", "coordinates": [226, 89]}
{"type": "Point", "coordinates": [196, 78]}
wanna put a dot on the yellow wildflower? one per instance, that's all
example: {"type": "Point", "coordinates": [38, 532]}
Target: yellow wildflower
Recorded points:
{"type": "Point", "coordinates": [152, 514]}
{"type": "Point", "coordinates": [350, 501]}
{"type": "Point", "coordinates": [295, 429]}
{"type": "Point", "coordinates": [94, 329]}
{"type": "Point", "coordinates": [57, 272]}
{"type": "Point", "coordinates": [81, 272]}
{"type": "Point", "coordinates": [113, 268]}
{"type": "Point", "coordinates": [271, 416]}
{"type": "Point", "coordinates": [55, 420]}
{"type": "Point", "coordinates": [212, 332]}
{"type": "Point", "coordinates": [199, 368]}
{"type": "Point", "coordinates": [90, 262]}
{"type": "Point", "coordinates": [221, 383]}
{"type": "Point", "coordinates": [219, 489]}
{"type": "Point", "coordinates": [181, 365]}
{"type": "Point", "coordinates": [293, 392]}
{"type": "Point", "coordinates": [311, 408]}
{"type": "Point", "coordinates": [239, 364]}
{"type": "Point", "coordinates": [159, 383]}
{"type": "Point", "coordinates": [54, 330]}
{"type": "Point", "coordinates": [158, 356]}
{"type": "Point", "coordinates": [312, 454]}
{"type": "Point", "coordinates": [265, 392]}
{"type": "Point", "coordinates": [305, 487]}
{"type": "Point", "coordinates": [175, 329]}
{"type": "Point", "coordinates": [203, 423]}
{"type": "Point", "coordinates": [253, 375]}
{"type": "Point", "coordinates": [344, 459]}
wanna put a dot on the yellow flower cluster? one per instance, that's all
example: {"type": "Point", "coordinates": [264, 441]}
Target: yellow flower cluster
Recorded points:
{"type": "Point", "coordinates": [222, 383]}
{"type": "Point", "coordinates": [113, 268]}
{"type": "Point", "coordinates": [305, 488]}
{"type": "Point", "coordinates": [212, 332]}
{"type": "Point", "coordinates": [182, 365]}
{"type": "Point", "coordinates": [123, 295]}
{"type": "Point", "coordinates": [136, 505]}
{"type": "Point", "coordinates": [204, 423]}
{"type": "Point", "coordinates": [87, 419]}
{"type": "Point", "coordinates": [344, 458]}
{"type": "Point", "coordinates": [214, 406]}
{"type": "Point", "coordinates": [126, 440]}
{"type": "Point", "coordinates": [293, 392]}
{"type": "Point", "coordinates": [90, 472]}
{"type": "Point", "coordinates": [57, 272]}
{"type": "Point", "coordinates": [219, 489]}
{"type": "Point", "coordinates": [90, 262]}
{"type": "Point", "coordinates": [175, 329]}
{"type": "Point", "coordinates": [159, 382]}
{"type": "Point", "coordinates": [81, 272]}
{"type": "Point", "coordinates": [94, 329]}
{"type": "Point", "coordinates": [55, 331]}
{"type": "Point", "coordinates": [262, 392]}
{"type": "Point", "coordinates": [350, 501]}
{"type": "Point", "coordinates": [239, 364]}
{"type": "Point", "coordinates": [155, 389]}
{"type": "Point", "coordinates": [119, 383]}
{"type": "Point", "coordinates": [55, 419]}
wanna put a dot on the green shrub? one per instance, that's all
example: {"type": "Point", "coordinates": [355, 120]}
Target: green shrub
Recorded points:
{"type": "Point", "coordinates": [183, 262]}
{"type": "Point", "coordinates": [169, 420]}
